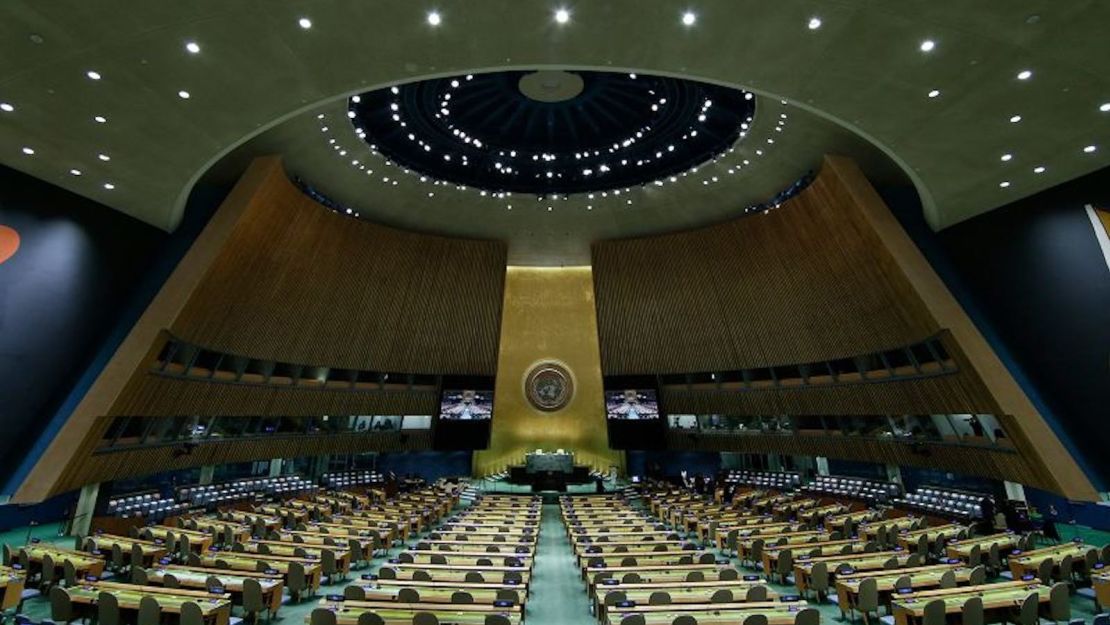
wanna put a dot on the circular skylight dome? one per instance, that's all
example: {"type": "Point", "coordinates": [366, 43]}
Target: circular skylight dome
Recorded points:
{"type": "Point", "coordinates": [551, 132]}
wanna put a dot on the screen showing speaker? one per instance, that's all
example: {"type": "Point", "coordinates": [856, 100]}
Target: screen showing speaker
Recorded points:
{"type": "Point", "coordinates": [466, 405]}
{"type": "Point", "coordinates": [632, 404]}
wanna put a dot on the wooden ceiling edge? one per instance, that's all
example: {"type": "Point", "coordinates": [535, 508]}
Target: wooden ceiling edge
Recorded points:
{"type": "Point", "coordinates": [1049, 454]}
{"type": "Point", "coordinates": [48, 472]}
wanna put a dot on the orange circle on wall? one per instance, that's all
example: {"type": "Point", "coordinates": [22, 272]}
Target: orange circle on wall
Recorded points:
{"type": "Point", "coordinates": [9, 242]}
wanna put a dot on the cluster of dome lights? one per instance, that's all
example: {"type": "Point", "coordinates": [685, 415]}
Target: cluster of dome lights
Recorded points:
{"type": "Point", "coordinates": [612, 133]}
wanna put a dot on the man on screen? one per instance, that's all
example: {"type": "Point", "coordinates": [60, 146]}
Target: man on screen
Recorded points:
{"type": "Point", "coordinates": [630, 409]}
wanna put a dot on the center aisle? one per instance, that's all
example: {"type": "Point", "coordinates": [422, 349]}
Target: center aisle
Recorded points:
{"type": "Point", "coordinates": [558, 595]}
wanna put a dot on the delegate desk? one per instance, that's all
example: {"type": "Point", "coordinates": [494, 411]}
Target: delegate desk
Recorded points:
{"type": "Point", "coordinates": [419, 573]}
{"type": "Point", "coordinates": [910, 539]}
{"type": "Point", "coordinates": [152, 551]}
{"type": "Point", "coordinates": [921, 578]}
{"type": "Point", "coordinates": [11, 582]}
{"type": "Point", "coordinates": [199, 541]}
{"type": "Point", "coordinates": [707, 569]}
{"type": "Point", "coordinates": [392, 613]}
{"type": "Point", "coordinates": [679, 592]}
{"type": "Point", "coordinates": [84, 563]}
{"type": "Point", "coordinates": [803, 566]}
{"type": "Point", "coordinates": [777, 612]}
{"type": "Point", "coordinates": [962, 548]}
{"type": "Point", "coordinates": [216, 609]}
{"type": "Point", "coordinates": [998, 599]}
{"type": "Point", "coordinates": [303, 551]}
{"type": "Point", "coordinates": [1027, 562]}
{"type": "Point", "coordinates": [240, 561]}
{"type": "Point", "coordinates": [192, 577]}
{"type": "Point", "coordinates": [433, 592]}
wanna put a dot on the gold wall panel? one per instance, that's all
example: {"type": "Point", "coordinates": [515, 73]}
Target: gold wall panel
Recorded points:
{"type": "Point", "coordinates": [549, 315]}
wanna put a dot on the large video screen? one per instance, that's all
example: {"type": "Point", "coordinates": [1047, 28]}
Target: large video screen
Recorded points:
{"type": "Point", "coordinates": [631, 405]}
{"type": "Point", "coordinates": [466, 405]}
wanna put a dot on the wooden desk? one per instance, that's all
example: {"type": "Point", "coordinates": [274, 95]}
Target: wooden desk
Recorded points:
{"type": "Point", "coordinates": [1029, 561]}
{"type": "Point", "coordinates": [12, 583]}
{"type": "Point", "coordinates": [152, 551]}
{"type": "Point", "coordinates": [484, 594]}
{"type": "Point", "coordinates": [859, 562]}
{"type": "Point", "coordinates": [683, 593]}
{"type": "Point", "coordinates": [249, 562]}
{"type": "Point", "coordinates": [709, 570]}
{"type": "Point", "coordinates": [84, 563]}
{"type": "Point", "coordinates": [215, 608]}
{"type": "Point", "coordinates": [777, 612]}
{"type": "Point", "coordinates": [315, 553]}
{"type": "Point", "coordinates": [962, 548]}
{"type": "Point", "coordinates": [347, 612]}
{"type": "Point", "coordinates": [921, 578]}
{"type": "Point", "coordinates": [909, 609]}
{"type": "Point", "coordinates": [199, 541]}
{"type": "Point", "coordinates": [196, 578]}
{"type": "Point", "coordinates": [457, 575]}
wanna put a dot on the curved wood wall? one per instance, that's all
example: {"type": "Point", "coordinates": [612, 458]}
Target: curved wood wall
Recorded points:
{"type": "Point", "coordinates": [809, 281]}
{"type": "Point", "coordinates": [298, 283]}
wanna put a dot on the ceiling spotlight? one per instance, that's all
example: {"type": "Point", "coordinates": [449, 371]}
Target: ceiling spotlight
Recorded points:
{"type": "Point", "coordinates": [1039, 169]}
{"type": "Point", "coordinates": [104, 157]}
{"type": "Point", "coordinates": [109, 186]}
{"type": "Point", "coordinates": [814, 23]}
{"type": "Point", "coordinates": [562, 16]}
{"type": "Point", "coordinates": [1015, 119]}
{"type": "Point", "coordinates": [100, 119]}
{"type": "Point", "coordinates": [7, 108]}
{"type": "Point", "coordinates": [305, 23]}
{"type": "Point", "coordinates": [689, 18]}
{"type": "Point", "coordinates": [1007, 157]}
{"type": "Point", "coordinates": [1105, 108]}
{"type": "Point", "coordinates": [1090, 149]}
{"type": "Point", "coordinates": [1024, 75]}
{"type": "Point", "coordinates": [934, 93]}
{"type": "Point", "coordinates": [93, 75]}
{"type": "Point", "coordinates": [434, 18]}
{"type": "Point", "coordinates": [75, 172]}
{"type": "Point", "coordinates": [184, 95]}
{"type": "Point", "coordinates": [28, 151]}
{"type": "Point", "coordinates": [928, 45]}
{"type": "Point", "coordinates": [192, 47]}
{"type": "Point", "coordinates": [1004, 184]}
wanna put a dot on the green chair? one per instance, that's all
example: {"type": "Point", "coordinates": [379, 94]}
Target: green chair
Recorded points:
{"type": "Point", "coordinates": [424, 618]}
{"type": "Point", "coordinates": [408, 595]}
{"type": "Point", "coordinates": [818, 579]}
{"type": "Point", "coordinates": [354, 593]}
{"type": "Point", "coordinates": [322, 616]}
{"type": "Point", "coordinates": [296, 580]}
{"type": "Point", "coordinates": [169, 580]}
{"type": "Point", "coordinates": [107, 609]}
{"type": "Point", "coordinates": [659, 597]}
{"type": "Point", "coordinates": [971, 613]}
{"type": "Point", "coordinates": [140, 576]}
{"type": "Point", "coordinates": [755, 619]}
{"type": "Point", "coordinates": [723, 595]}
{"type": "Point", "coordinates": [948, 578]}
{"type": "Point", "coordinates": [934, 613]}
{"type": "Point", "coordinates": [61, 606]}
{"type": "Point", "coordinates": [1059, 602]}
{"type": "Point", "coordinates": [867, 599]}
{"type": "Point", "coordinates": [807, 616]}
{"type": "Point", "coordinates": [150, 612]}
{"type": "Point", "coordinates": [253, 603]}
{"type": "Point", "coordinates": [1026, 612]}
{"type": "Point", "coordinates": [756, 593]}
{"type": "Point", "coordinates": [370, 618]}
{"type": "Point", "coordinates": [191, 614]}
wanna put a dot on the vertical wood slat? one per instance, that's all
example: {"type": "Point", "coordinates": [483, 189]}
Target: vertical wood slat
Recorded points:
{"type": "Point", "coordinates": [810, 281]}
{"type": "Point", "coordinates": [299, 283]}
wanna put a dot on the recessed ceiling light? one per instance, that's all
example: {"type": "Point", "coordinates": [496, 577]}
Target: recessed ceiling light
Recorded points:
{"type": "Point", "coordinates": [434, 18]}
{"type": "Point", "coordinates": [184, 95]}
{"type": "Point", "coordinates": [1004, 184]}
{"type": "Point", "coordinates": [1007, 157]}
{"type": "Point", "coordinates": [1039, 169]}
{"type": "Point", "coordinates": [934, 93]}
{"type": "Point", "coordinates": [100, 119]}
{"type": "Point", "coordinates": [1090, 148]}
{"type": "Point", "coordinates": [1024, 74]}
{"type": "Point", "coordinates": [305, 23]}
{"type": "Point", "coordinates": [689, 18]}
{"type": "Point", "coordinates": [928, 45]}
{"type": "Point", "coordinates": [1015, 119]}
{"type": "Point", "coordinates": [7, 108]}
{"type": "Point", "coordinates": [104, 157]}
{"type": "Point", "coordinates": [75, 172]}
{"type": "Point", "coordinates": [192, 47]}
{"type": "Point", "coordinates": [562, 16]}
{"type": "Point", "coordinates": [109, 186]}
{"type": "Point", "coordinates": [1105, 108]}
{"type": "Point", "coordinates": [93, 74]}
{"type": "Point", "coordinates": [28, 151]}
{"type": "Point", "coordinates": [814, 23]}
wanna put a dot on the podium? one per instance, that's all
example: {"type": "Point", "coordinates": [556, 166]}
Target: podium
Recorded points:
{"type": "Point", "coordinates": [549, 470]}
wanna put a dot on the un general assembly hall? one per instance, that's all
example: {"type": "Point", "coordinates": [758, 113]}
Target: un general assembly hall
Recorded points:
{"type": "Point", "coordinates": [544, 312]}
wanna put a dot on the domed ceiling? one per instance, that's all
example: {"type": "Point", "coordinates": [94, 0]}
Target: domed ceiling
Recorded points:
{"type": "Point", "coordinates": [552, 132]}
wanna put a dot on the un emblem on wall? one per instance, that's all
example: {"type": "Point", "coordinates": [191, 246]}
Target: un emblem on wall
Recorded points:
{"type": "Point", "coordinates": [549, 386]}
